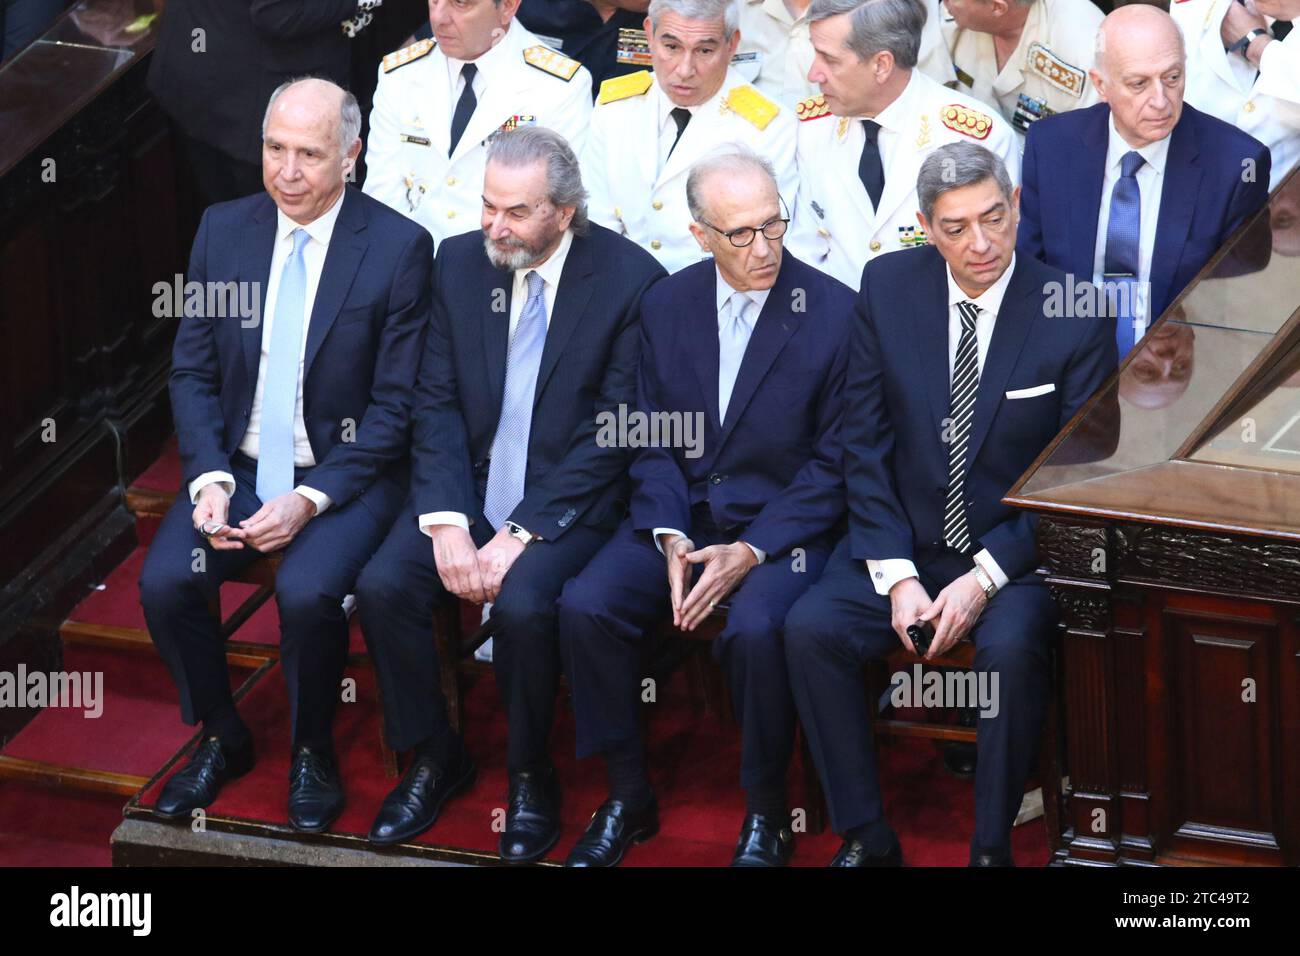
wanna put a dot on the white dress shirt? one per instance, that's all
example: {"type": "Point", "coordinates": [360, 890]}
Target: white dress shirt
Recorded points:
{"type": "Point", "coordinates": [729, 304]}
{"type": "Point", "coordinates": [886, 572]}
{"type": "Point", "coordinates": [313, 257]}
{"type": "Point", "coordinates": [1151, 181]}
{"type": "Point", "coordinates": [550, 272]}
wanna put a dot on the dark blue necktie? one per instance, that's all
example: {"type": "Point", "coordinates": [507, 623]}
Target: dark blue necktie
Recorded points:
{"type": "Point", "coordinates": [870, 169]}
{"type": "Point", "coordinates": [1122, 258]}
{"type": "Point", "coordinates": [464, 106]}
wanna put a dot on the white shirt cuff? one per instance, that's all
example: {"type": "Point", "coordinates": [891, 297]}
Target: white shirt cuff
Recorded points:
{"type": "Point", "coordinates": [318, 498]}
{"type": "Point", "coordinates": [427, 521]}
{"type": "Point", "coordinates": [888, 572]}
{"type": "Point", "coordinates": [223, 478]}
{"type": "Point", "coordinates": [758, 552]}
{"type": "Point", "coordinates": [991, 568]}
{"type": "Point", "coordinates": [658, 531]}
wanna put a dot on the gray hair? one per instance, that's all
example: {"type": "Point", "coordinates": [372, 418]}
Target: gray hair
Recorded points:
{"type": "Point", "coordinates": [537, 144]}
{"type": "Point", "coordinates": [878, 25]}
{"type": "Point", "coordinates": [349, 111]}
{"type": "Point", "coordinates": [724, 10]}
{"type": "Point", "coordinates": [955, 165]}
{"type": "Point", "coordinates": [731, 158]}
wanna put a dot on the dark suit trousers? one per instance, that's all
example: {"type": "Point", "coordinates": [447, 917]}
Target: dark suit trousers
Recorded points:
{"type": "Point", "coordinates": [842, 622]}
{"type": "Point", "coordinates": [604, 615]}
{"type": "Point", "coordinates": [317, 571]}
{"type": "Point", "coordinates": [397, 594]}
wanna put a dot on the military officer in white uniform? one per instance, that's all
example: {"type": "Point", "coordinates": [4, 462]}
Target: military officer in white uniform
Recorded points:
{"type": "Point", "coordinates": [775, 51]}
{"type": "Point", "coordinates": [863, 139]}
{"type": "Point", "coordinates": [934, 60]}
{"type": "Point", "coordinates": [1256, 86]}
{"type": "Point", "coordinates": [1025, 58]}
{"type": "Point", "coordinates": [649, 128]}
{"type": "Point", "coordinates": [440, 101]}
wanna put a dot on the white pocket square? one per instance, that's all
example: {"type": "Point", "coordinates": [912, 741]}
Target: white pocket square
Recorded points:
{"type": "Point", "coordinates": [1032, 392]}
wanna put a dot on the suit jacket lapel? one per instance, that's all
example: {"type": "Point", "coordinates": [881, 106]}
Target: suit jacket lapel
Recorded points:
{"type": "Point", "coordinates": [347, 249]}
{"type": "Point", "coordinates": [704, 354]}
{"type": "Point", "coordinates": [255, 267]}
{"type": "Point", "coordinates": [1182, 184]}
{"type": "Point", "coordinates": [571, 300]}
{"type": "Point", "coordinates": [1014, 321]}
{"type": "Point", "coordinates": [497, 287]}
{"type": "Point", "coordinates": [776, 323]}
{"type": "Point", "coordinates": [930, 340]}
{"type": "Point", "coordinates": [1088, 173]}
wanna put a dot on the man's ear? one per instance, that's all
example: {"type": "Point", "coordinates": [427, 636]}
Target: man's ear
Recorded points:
{"type": "Point", "coordinates": [926, 226]}
{"type": "Point", "coordinates": [883, 68]}
{"type": "Point", "coordinates": [735, 42]}
{"type": "Point", "coordinates": [1099, 82]}
{"type": "Point", "coordinates": [566, 215]}
{"type": "Point", "coordinates": [699, 235]}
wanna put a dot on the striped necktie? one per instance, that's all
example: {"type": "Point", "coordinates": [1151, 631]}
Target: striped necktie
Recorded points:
{"type": "Point", "coordinates": [965, 383]}
{"type": "Point", "coordinates": [509, 461]}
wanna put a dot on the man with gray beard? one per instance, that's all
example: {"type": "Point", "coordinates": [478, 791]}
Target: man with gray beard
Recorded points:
{"type": "Point", "coordinates": [534, 334]}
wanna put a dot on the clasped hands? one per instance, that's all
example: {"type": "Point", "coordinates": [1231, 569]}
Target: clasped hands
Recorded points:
{"type": "Point", "coordinates": [268, 529]}
{"type": "Point", "coordinates": [956, 609]}
{"type": "Point", "coordinates": [474, 574]}
{"type": "Point", "coordinates": [724, 567]}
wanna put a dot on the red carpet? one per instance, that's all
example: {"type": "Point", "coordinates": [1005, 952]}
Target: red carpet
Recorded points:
{"type": "Point", "coordinates": [40, 826]}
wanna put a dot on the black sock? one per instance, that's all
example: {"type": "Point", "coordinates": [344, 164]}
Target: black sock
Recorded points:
{"type": "Point", "coordinates": [440, 746]}
{"type": "Point", "coordinates": [223, 721]}
{"type": "Point", "coordinates": [767, 799]}
{"type": "Point", "coordinates": [628, 783]}
{"type": "Point", "coordinates": [877, 836]}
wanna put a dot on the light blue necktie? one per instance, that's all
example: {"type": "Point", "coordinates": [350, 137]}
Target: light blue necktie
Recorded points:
{"type": "Point", "coordinates": [280, 392]}
{"type": "Point", "coordinates": [505, 482]}
{"type": "Point", "coordinates": [1123, 231]}
{"type": "Point", "coordinates": [732, 341]}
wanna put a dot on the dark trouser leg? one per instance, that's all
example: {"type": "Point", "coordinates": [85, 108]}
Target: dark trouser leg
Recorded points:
{"type": "Point", "coordinates": [525, 652]}
{"type": "Point", "coordinates": [752, 654]}
{"type": "Point", "coordinates": [1012, 645]}
{"type": "Point", "coordinates": [831, 631]}
{"type": "Point", "coordinates": [604, 612]}
{"type": "Point", "coordinates": [396, 594]}
{"type": "Point", "coordinates": [319, 568]}
{"type": "Point", "coordinates": [182, 576]}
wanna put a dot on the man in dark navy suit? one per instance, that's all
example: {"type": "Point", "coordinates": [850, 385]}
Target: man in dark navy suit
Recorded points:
{"type": "Point", "coordinates": [752, 346]}
{"type": "Point", "coordinates": [1139, 191]}
{"type": "Point", "coordinates": [293, 433]}
{"type": "Point", "coordinates": [957, 380]}
{"type": "Point", "coordinates": [534, 333]}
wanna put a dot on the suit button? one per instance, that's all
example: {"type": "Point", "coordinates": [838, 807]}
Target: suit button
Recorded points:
{"type": "Point", "coordinates": [451, 180]}
{"type": "Point", "coordinates": [451, 214]}
{"type": "Point", "coordinates": [715, 479]}
{"type": "Point", "coordinates": [875, 245]}
{"type": "Point", "coordinates": [657, 204]}
{"type": "Point", "coordinates": [655, 244]}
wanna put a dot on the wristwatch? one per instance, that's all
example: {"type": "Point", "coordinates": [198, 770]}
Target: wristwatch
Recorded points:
{"type": "Point", "coordinates": [1247, 40]}
{"type": "Point", "coordinates": [520, 532]}
{"type": "Point", "coordinates": [985, 582]}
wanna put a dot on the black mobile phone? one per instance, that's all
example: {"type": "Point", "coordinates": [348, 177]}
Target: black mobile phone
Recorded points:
{"type": "Point", "coordinates": [921, 634]}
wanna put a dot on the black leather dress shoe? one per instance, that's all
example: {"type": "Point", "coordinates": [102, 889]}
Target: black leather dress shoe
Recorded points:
{"type": "Point", "coordinates": [199, 781]}
{"type": "Point", "coordinates": [533, 817]}
{"type": "Point", "coordinates": [611, 831]}
{"type": "Point", "coordinates": [414, 805]}
{"type": "Point", "coordinates": [315, 791]}
{"type": "Point", "coordinates": [853, 853]}
{"type": "Point", "coordinates": [982, 858]}
{"type": "Point", "coordinates": [763, 842]}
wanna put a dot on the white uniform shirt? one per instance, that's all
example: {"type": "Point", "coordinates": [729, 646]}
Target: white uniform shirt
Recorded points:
{"type": "Point", "coordinates": [835, 226]}
{"type": "Point", "coordinates": [410, 126]}
{"type": "Point", "coordinates": [1263, 103]}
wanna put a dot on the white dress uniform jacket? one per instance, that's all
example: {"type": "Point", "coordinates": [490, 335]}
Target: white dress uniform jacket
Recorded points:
{"type": "Point", "coordinates": [1048, 71]}
{"type": "Point", "coordinates": [1263, 103]}
{"type": "Point", "coordinates": [835, 227]}
{"type": "Point", "coordinates": [634, 191]}
{"type": "Point", "coordinates": [775, 52]}
{"type": "Point", "coordinates": [520, 82]}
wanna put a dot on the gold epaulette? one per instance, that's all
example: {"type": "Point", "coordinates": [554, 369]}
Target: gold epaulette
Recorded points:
{"type": "Point", "coordinates": [621, 87]}
{"type": "Point", "coordinates": [549, 61]}
{"type": "Point", "coordinates": [814, 107]}
{"type": "Point", "coordinates": [408, 54]}
{"type": "Point", "coordinates": [752, 105]}
{"type": "Point", "coordinates": [964, 120]}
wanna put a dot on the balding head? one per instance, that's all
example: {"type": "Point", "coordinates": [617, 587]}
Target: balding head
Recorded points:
{"type": "Point", "coordinates": [733, 190]}
{"type": "Point", "coordinates": [1138, 71]}
{"type": "Point", "coordinates": [310, 144]}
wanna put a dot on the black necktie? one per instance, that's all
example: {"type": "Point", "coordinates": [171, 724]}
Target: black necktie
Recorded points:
{"type": "Point", "coordinates": [464, 106]}
{"type": "Point", "coordinates": [1281, 28]}
{"type": "Point", "coordinates": [870, 170]}
{"type": "Point", "coordinates": [681, 116]}
{"type": "Point", "coordinates": [965, 383]}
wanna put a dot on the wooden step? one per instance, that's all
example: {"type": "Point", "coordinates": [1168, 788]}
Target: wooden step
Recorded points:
{"type": "Point", "coordinates": [70, 778]}
{"type": "Point", "coordinates": [88, 634]}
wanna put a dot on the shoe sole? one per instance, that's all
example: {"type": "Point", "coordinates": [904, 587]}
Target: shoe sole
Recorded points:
{"type": "Point", "coordinates": [462, 784]}
{"type": "Point", "coordinates": [532, 857]}
{"type": "Point", "coordinates": [186, 814]}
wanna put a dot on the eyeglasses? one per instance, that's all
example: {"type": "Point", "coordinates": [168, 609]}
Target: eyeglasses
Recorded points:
{"type": "Point", "coordinates": [744, 236]}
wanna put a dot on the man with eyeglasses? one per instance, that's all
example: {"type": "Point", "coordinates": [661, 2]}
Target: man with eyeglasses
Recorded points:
{"type": "Point", "coordinates": [752, 345]}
